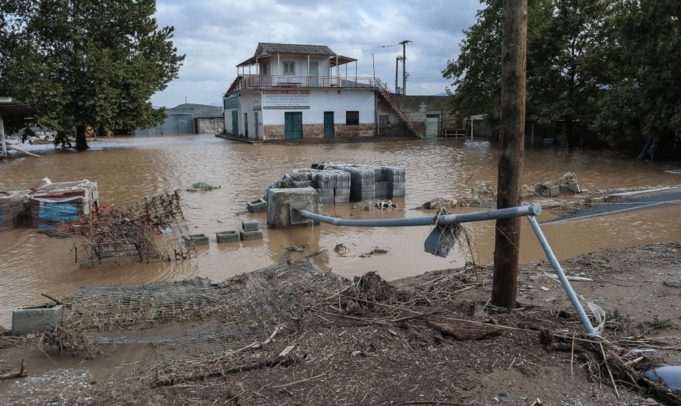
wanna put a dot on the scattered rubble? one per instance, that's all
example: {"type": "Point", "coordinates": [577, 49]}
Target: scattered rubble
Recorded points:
{"type": "Point", "coordinates": [203, 187]}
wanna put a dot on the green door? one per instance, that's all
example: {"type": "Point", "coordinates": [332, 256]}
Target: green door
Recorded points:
{"type": "Point", "coordinates": [328, 124]}
{"type": "Point", "coordinates": [293, 125]}
{"type": "Point", "coordinates": [432, 126]}
{"type": "Point", "coordinates": [235, 122]}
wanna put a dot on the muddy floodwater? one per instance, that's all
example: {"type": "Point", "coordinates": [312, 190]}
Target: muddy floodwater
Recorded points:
{"type": "Point", "coordinates": [131, 168]}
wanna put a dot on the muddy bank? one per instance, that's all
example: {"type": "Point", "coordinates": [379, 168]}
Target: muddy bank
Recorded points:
{"type": "Point", "coordinates": [295, 334]}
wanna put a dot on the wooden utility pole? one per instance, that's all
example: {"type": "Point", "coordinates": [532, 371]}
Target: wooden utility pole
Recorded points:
{"type": "Point", "coordinates": [507, 235]}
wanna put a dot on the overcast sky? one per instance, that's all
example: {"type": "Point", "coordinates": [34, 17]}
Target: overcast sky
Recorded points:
{"type": "Point", "coordinates": [215, 35]}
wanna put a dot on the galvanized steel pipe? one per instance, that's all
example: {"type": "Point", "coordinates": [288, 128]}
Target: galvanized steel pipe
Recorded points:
{"type": "Point", "coordinates": [445, 219]}
{"type": "Point", "coordinates": [561, 276]}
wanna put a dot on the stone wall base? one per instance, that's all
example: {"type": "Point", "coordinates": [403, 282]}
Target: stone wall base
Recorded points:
{"type": "Point", "coordinates": [316, 131]}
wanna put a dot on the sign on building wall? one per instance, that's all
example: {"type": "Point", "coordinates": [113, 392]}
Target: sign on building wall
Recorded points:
{"type": "Point", "coordinates": [286, 99]}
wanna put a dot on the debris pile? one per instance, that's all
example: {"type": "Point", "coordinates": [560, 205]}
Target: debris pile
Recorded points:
{"type": "Point", "coordinates": [51, 204]}
{"type": "Point", "coordinates": [48, 204]}
{"type": "Point", "coordinates": [565, 184]}
{"type": "Point", "coordinates": [485, 194]}
{"type": "Point", "coordinates": [149, 230]}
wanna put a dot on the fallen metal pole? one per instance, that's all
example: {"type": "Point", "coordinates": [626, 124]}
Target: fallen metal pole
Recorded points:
{"type": "Point", "coordinates": [561, 276]}
{"type": "Point", "coordinates": [444, 219]}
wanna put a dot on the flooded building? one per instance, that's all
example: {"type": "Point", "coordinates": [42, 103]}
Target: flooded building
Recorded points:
{"type": "Point", "coordinates": [293, 91]}
{"type": "Point", "coordinates": [188, 118]}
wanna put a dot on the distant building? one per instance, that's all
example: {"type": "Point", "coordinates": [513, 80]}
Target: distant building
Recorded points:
{"type": "Point", "coordinates": [188, 118]}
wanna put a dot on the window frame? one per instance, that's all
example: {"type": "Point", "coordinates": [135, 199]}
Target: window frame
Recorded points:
{"type": "Point", "coordinates": [286, 64]}
{"type": "Point", "coordinates": [351, 120]}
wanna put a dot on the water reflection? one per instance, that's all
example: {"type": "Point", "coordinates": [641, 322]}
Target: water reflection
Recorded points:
{"type": "Point", "coordinates": [127, 169]}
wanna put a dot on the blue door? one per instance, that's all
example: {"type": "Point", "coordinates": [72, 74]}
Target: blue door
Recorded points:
{"type": "Point", "coordinates": [293, 125]}
{"type": "Point", "coordinates": [235, 122]}
{"type": "Point", "coordinates": [328, 124]}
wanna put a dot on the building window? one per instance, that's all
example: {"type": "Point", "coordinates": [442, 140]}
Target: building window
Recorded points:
{"type": "Point", "coordinates": [352, 118]}
{"type": "Point", "coordinates": [289, 68]}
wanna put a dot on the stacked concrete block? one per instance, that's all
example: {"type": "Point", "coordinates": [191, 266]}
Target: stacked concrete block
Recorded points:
{"type": "Point", "coordinates": [396, 178]}
{"type": "Point", "coordinates": [362, 180]}
{"type": "Point", "coordinates": [382, 184]}
{"type": "Point", "coordinates": [250, 230]}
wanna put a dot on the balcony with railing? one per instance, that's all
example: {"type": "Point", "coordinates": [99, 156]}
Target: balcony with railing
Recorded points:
{"type": "Point", "coordinates": [284, 81]}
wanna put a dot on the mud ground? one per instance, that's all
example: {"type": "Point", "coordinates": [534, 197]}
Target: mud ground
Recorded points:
{"type": "Point", "coordinates": [429, 339]}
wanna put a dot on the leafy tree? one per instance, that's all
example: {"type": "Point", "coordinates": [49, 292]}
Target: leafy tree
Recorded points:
{"type": "Point", "coordinates": [563, 70]}
{"type": "Point", "coordinates": [643, 97]}
{"type": "Point", "coordinates": [86, 63]}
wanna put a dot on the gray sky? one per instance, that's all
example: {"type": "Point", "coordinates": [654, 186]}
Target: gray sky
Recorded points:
{"type": "Point", "coordinates": [216, 35]}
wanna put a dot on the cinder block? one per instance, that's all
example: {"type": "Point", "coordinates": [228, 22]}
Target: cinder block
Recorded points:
{"type": "Point", "coordinates": [341, 195]}
{"type": "Point", "coordinates": [281, 201]}
{"type": "Point", "coordinates": [396, 190]}
{"type": "Point", "coordinates": [196, 239]}
{"type": "Point", "coordinates": [35, 320]}
{"type": "Point", "coordinates": [250, 225]}
{"type": "Point", "coordinates": [228, 236]}
{"type": "Point", "coordinates": [251, 235]}
{"type": "Point", "coordinates": [325, 196]}
{"type": "Point", "coordinates": [257, 206]}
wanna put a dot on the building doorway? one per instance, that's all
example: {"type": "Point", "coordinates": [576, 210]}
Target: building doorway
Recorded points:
{"type": "Point", "coordinates": [246, 124]}
{"type": "Point", "coordinates": [432, 126]}
{"type": "Point", "coordinates": [235, 122]}
{"type": "Point", "coordinates": [257, 125]}
{"type": "Point", "coordinates": [329, 130]}
{"type": "Point", "coordinates": [293, 125]}
{"type": "Point", "coordinates": [313, 75]}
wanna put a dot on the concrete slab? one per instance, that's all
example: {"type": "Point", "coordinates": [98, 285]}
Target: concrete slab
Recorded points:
{"type": "Point", "coordinates": [35, 320]}
{"type": "Point", "coordinates": [281, 201]}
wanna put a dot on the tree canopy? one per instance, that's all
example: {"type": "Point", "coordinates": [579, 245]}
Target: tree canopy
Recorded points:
{"type": "Point", "coordinates": [86, 63]}
{"type": "Point", "coordinates": [612, 64]}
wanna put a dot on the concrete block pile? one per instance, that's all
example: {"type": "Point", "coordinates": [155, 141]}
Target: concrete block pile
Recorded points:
{"type": "Point", "coordinates": [333, 186]}
{"type": "Point", "coordinates": [370, 182]}
{"type": "Point", "coordinates": [334, 182]}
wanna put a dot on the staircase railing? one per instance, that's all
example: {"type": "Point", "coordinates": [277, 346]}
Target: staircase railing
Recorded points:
{"type": "Point", "coordinates": [383, 90]}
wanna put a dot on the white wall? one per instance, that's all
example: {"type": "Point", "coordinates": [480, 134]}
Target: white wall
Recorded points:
{"type": "Point", "coordinates": [337, 100]}
{"type": "Point", "coordinates": [276, 68]}
{"type": "Point", "coordinates": [249, 102]}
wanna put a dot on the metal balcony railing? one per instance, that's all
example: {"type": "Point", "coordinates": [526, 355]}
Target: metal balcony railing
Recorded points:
{"type": "Point", "coordinates": [264, 81]}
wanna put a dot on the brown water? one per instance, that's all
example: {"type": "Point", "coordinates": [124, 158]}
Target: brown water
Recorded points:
{"type": "Point", "coordinates": [128, 169]}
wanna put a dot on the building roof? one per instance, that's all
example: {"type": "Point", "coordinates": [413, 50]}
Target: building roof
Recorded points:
{"type": "Point", "coordinates": [270, 48]}
{"type": "Point", "coordinates": [196, 110]}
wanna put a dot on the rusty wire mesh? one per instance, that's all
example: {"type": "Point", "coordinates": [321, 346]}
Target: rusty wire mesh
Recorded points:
{"type": "Point", "coordinates": [152, 229]}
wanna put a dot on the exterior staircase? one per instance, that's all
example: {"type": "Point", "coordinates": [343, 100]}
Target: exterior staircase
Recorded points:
{"type": "Point", "coordinates": [388, 97]}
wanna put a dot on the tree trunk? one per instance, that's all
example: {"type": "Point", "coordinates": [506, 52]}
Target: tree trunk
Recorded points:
{"type": "Point", "coordinates": [513, 80]}
{"type": "Point", "coordinates": [81, 140]}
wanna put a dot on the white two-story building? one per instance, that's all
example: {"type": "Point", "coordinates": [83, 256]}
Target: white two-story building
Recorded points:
{"type": "Point", "coordinates": [292, 91]}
